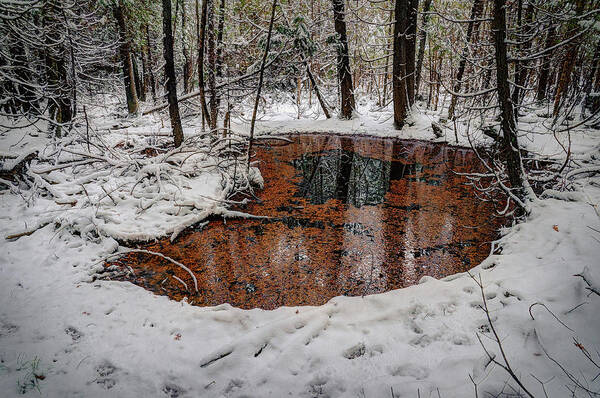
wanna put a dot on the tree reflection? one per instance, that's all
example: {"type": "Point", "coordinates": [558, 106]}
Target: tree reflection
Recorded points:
{"type": "Point", "coordinates": [345, 175]}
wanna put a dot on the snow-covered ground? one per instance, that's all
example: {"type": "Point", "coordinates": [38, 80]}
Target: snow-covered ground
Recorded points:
{"type": "Point", "coordinates": [88, 338]}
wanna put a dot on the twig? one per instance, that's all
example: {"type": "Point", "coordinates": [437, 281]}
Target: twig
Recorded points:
{"type": "Point", "coordinates": [189, 271]}
{"type": "Point", "coordinates": [551, 313]}
{"type": "Point", "coordinates": [506, 366]}
{"type": "Point", "coordinates": [587, 279]}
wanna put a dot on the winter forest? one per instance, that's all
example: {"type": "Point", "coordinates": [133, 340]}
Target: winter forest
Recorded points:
{"type": "Point", "coordinates": [323, 198]}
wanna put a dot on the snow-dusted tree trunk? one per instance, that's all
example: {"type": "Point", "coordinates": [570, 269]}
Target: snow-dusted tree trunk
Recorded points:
{"type": "Point", "coordinates": [201, 31]}
{"type": "Point", "coordinates": [187, 60]}
{"type": "Point", "coordinates": [125, 52]}
{"type": "Point", "coordinates": [260, 83]}
{"type": "Point", "coordinates": [152, 79]}
{"type": "Point", "coordinates": [170, 74]}
{"type": "Point", "coordinates": [545, 67]}
{"type": "Point", "coordinates": [59, 106]}
{"type": "Point", "coordinates": [422, 40]}
{"type": "Point", "coordinates": [343, 61]}
{"type": "Point", "coordinates": [411, 48]}
{"type": "Point", "coordinates": [569, 60]}
{"type": "Point", "coordinates": [509, 131]}
{"type": "Point", "coordinates": [212, 68]}
{"type": "Point", "coordinates": [399, 70]}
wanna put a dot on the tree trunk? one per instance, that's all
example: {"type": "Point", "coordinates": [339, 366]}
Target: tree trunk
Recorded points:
{"type": "Point", "coordinates": [21, 96]}
{"type": "Point", "coordinates": [593, 80]}
{"type": "Point", "coordinates": [317, 92]}
{"type": "Point", "coordinates": [59, 102]}
{"type": "Point", "coordinates": [212, 66]}
{"type": "Point", "coordinates": [150, 65]}
{"type": "Point", "coordinates": [509, 139]}
{"type": "Point", "coordinates": [387, 61]}
{"type": "Point", "coordinates": [200, 30]}
{"type": "Point", "coordinates": [520, 68]}
{"type": "Point", "coordinates": [568, 62]}
{"type": "Point", "coordinates": [187, 60]}
{"type": "Point", "coordinates": [125, 51]}
{"type": "Point", "coordinates": [399, 70]}
{"type": "Point", "coordinates": [411, 47]}
{"type": "Point", "coordinates": [347, 104]}
{"type": "Point", "coordinates": [170, 74]}
{"type": "Point", "coordinates": [145, 76]}
{"type": "Point", "coordinates": [260, 83]}
{"type": "Point", "coordinates": [476, 12]}
{"type": "Point", "coordinates": [422, 40]}
{"type": "Point", "coordinates": [136, 76]}
{"type": "Point", "coordinates": [219, 64]}
{"type": "Point", "coordinates": [545, 67]}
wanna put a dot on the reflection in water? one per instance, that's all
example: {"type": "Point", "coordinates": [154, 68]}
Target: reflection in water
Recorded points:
{"type": "Point", "coordinates": [348, 217]}
{"type": "Point", "coordinates": [346, 176]}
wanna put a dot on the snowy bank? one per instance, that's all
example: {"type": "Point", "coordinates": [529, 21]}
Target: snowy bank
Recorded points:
{"type": "Point", "coordinates": [91, 338]}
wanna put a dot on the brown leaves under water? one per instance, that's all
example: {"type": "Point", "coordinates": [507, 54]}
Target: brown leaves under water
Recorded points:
{"type": "Point", "coordinates": [430, 224]}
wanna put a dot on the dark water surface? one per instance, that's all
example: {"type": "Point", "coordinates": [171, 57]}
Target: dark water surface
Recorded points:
{"type": "Point", "coordinates": [350, 216]}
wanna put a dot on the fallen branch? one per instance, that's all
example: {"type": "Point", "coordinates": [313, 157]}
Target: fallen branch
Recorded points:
{"type": "Point", "coordinates": [587, 278]}
{"type": "Point", "coordinates": [29, 231]}
{"type": "Point", "coordinates": [182, 282]}
{"type": "Point", "coordinates": [189, 271]}
{"type": "Point", "coordinates": [592, 169]}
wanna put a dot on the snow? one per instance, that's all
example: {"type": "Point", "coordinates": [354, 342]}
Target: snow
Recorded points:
{"type": "Point", "coordinates": [98, 338]}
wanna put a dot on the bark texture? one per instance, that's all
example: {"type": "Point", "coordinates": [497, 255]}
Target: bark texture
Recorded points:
{"type": "Point", "coordinates": [200, 30]}
{"type": "Point", "coordinates": [399, 70]}
{"type": "Point", "coordinates": [509, 134]}
{"type": "Point", "coordinates": [343, 60]}
{"type": "Point", "coordinates": [126, 61]}
{"type": "Point", "coordinates": [422, 41]}
{"type": "Point", "coordinates": [171, 83]}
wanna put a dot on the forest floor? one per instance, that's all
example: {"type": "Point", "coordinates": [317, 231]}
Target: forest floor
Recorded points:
{"type": "Point", "coordinates": [65, 333]}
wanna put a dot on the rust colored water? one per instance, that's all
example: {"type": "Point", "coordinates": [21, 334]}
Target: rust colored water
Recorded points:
{"type": "Point", "coordinates": [349, 216]}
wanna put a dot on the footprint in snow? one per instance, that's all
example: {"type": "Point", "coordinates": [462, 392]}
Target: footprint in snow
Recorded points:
{"type": "Point", "coordinates": [172, 391]}
{"type": "Point", "coordinates": [104, 372]}
{"type": "Point", "coordinates": [74, 333]}
{"type": "Point", "coordinates": [416, 372]}
{"type": "Point", "coordinates": [7, 329]}
{"type": "Point", "coordinates": [234, 384]}
{"type": "Point", "coordinates": [355, 351]}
